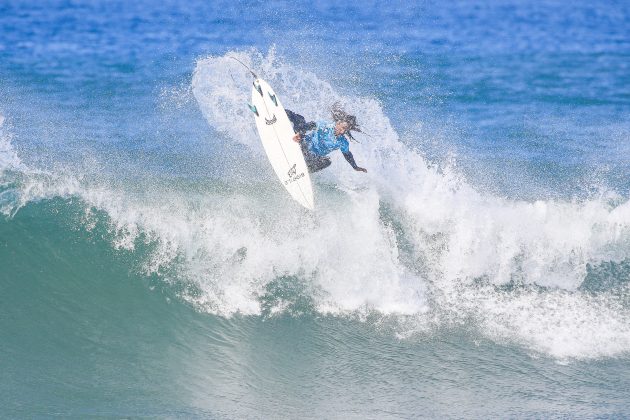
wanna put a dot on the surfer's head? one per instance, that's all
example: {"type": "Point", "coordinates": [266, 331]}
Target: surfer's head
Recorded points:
{"type": "Point", "coordinates": [341, 128]}
{"type": "Point", "coordinates": [344, 122]}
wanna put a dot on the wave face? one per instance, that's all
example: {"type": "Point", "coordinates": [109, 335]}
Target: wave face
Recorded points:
{"type": "Point", "coordinates": [153, 266]}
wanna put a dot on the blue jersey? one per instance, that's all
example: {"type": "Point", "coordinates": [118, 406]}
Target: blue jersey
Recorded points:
{"type": "Point", "coordinates": [322, 140]}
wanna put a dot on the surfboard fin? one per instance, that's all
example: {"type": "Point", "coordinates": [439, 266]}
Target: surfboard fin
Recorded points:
{"type": "Point", "coordinates": [258, 88]}
{"type": "Point", "coordinates": [253, 109]}
{"type": "Point", "coordinates": [273, 98]}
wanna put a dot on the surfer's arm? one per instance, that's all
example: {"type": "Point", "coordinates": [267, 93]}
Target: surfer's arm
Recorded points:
{"type": "Point", "coordinates": [302, 129]}
{"type": "Point", "coordinates": [350, 159]}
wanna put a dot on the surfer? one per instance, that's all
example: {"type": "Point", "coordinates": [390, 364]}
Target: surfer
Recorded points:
{"type": "Point", "coordinates": [318, 139]}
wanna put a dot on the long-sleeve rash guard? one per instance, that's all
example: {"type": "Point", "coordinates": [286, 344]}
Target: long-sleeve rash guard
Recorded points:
{"type": "Point", "coordinates": [322, 140]}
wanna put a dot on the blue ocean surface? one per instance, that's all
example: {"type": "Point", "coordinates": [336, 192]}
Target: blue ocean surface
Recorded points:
{"type": "Point", "coordinates": [151, 264]}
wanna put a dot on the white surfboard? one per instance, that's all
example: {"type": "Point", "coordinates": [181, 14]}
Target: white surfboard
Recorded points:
{"type": "Point", "coordinates": [276, 134]}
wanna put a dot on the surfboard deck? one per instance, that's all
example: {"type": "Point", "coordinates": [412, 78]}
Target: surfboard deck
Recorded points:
{"type": "Point", "coordinates": [276, 134]}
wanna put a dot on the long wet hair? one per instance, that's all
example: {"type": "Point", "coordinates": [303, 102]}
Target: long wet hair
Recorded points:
{"type": "Point", "coordinates": [339, 115]}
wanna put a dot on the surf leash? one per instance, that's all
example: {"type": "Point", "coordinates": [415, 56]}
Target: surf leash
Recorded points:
{"type": "Point", "coordinates": [244, 65]}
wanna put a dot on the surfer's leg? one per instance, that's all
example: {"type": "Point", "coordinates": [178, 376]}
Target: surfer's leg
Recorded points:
{"type": "Point", "coordinates": [314, 162]}
{"type": "Point", "coordinates": [321, 162]}
{"type": "Point", "coordinates": [296, 120]}
{"type": "Point", "coordinates": [299, 122]}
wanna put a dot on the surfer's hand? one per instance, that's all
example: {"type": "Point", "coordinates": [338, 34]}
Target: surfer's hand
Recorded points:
{"type": "Point", "coordinates": [360, 169]}
{"type": "Point", "coordinates": [297, 138]}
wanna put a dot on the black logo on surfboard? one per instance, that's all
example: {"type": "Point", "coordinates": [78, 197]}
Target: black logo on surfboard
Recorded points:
{"type": "Point", "coordinates": [293, 175]}
{"type": "Point", "coordinates": [272, 120]}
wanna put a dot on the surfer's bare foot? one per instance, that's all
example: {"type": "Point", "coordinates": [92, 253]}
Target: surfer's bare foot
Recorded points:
{"type": "Point", "coordinates": [297, 138]}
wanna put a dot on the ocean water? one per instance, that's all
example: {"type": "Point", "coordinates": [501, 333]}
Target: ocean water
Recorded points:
{"type": "Point", "coordinates": [152, 266]}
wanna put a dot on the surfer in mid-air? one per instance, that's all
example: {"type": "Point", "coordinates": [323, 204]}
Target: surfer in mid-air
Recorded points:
{"type": "Point", "coordinates": [318, 139]}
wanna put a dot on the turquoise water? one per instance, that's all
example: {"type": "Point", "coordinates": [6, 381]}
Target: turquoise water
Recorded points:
{"type": "Point", "coordinates": [152, 266]}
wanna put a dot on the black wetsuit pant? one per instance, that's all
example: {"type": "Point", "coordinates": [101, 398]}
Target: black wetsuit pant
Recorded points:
{"type": "Point", "coordinates": [314, 162]}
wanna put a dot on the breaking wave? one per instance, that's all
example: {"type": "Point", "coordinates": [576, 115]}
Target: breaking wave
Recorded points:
{"type": "Point", "coordinates": [411, 240]}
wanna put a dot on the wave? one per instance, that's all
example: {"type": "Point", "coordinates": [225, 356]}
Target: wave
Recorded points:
{"type": "Point", "coordinates": [410, 240]}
